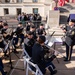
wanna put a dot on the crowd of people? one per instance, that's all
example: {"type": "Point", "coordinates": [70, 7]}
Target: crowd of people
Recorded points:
{"type": "Point", "coordinates": [24, 18]}
{"type": "Point", "coordinates": [34, 41]}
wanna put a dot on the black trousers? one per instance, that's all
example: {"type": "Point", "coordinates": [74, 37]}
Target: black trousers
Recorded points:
{"type": "Point", "coordinates": [69, 51]}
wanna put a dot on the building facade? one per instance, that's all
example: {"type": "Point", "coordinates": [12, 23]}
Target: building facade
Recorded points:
{"type": "Point", "coordinates": [15, 7]}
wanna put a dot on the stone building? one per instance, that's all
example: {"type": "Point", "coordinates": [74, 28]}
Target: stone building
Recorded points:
{"type": "Point", "coordinates": [15, 7]}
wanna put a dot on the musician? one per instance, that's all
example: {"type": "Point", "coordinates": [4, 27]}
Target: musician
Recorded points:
{"type": "Point", "coordinates": [70, 39]}
{"type": "Point", "coordinates": [41, 30]}
{"type": "Point", "coordinates": [2, 45]}
{"type": "Point", "coordinates": [29, 24]}
{"type": "Point", "coordinates": [6, 31]}
{"type": "Point", "coordinates": [1, 25]}
{"type": "Point", "coordinates": [33, 30]}
{"type": "Point", "coordinates": [1, 67]}
{"type": "Point", "coordinates": [19, 32]}
{"type": "Point", "coordinates": [19, 36]}
{"type": "Point", "coordinates": [38, 53]}
{"type": "Point", "coordinates": [29, 42]}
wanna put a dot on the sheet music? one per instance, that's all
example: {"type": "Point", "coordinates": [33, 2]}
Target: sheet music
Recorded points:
{"type": "Point", "coordinates": [53, 40]}
{"type": "Point", "coordinates": [58, 39]}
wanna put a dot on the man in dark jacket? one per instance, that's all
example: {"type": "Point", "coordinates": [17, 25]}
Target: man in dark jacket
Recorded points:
{"type": "Point", "coordinates": [41, 30]}
{"type": "Point", "coordinates": [29, 42]}
{"type": "Point", "coordinates": [38, 53]}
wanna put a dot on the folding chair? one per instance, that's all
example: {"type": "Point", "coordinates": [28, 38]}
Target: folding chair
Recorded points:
{"type": "Point", "coordinates": [29, 68]}
{"type": "Point", "coordinates": [25, 55]}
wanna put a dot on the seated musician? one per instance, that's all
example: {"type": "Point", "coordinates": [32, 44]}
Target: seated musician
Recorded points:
{"type": "Point", "coordinates": [69, 30]}
{"type": "Point", "coordinates": [19, 36]}
{"type": "Point", "coordinates": [29, 42]}
{"type": "Point", "coordinates": [28, 26]}
{"type": "Point", "coordinates": [1, 25]}
{"type": "Point", "coordinates": [2, 45]}
{"type": "Point", "coordinates": [6, 31]}
{"type": "Point", "coordinates": [38, 53]}
{"type": "Point", "coordinates": [1, 64]}
{"type": "Point", "coordinates": [33, 30]}
{"type": "Point", "coordinates": [41, 30]}
{"type": "Point", "coordinates": [19, 32]}
{"type": "Point", "coordinates": [1, 68]}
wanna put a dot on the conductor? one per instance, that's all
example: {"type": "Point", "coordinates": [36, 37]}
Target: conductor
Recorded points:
{"type": "Point", "coordinates": [69, 39]}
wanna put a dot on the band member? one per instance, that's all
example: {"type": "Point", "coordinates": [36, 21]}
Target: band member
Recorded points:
{"type": "Point", "coordinates": [41, 30]}
{"type": "Point", "coordinates": [29, 42]}
{"type": "Point", "coordinates": [38, 53]}
{"type": "Point", "coordinates": [6, 31]}
{"type": "Point", "coordinates": [19, 32]}
{"type": "Point", "coordinates": [2, 45]}
{"type": "Point", "coordinates": [33, 30]}
{"type": "Point", "coordinates": [69, 39]}
{"type": "Point", "coordinates": [1, 25]}
{"type": "Point", "coordinates": [18, 36]}
{"type": "Point", "coordinates": [1, 67]}
{"type": "Point", "coordinates": [29, 24]}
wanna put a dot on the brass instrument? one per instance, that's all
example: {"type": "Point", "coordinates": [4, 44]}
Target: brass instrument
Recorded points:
{"type": "Point", "coordinates": [49, 54]}
{"type": "Point", "coordinates": [7, 32]}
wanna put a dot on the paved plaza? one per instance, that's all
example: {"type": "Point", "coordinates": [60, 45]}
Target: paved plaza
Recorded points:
{"type": "Point", "coordinates": [63, 68]}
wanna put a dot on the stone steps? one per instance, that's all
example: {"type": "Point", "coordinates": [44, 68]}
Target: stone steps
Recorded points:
{"type": "Point", "coordinates": [58, 32]}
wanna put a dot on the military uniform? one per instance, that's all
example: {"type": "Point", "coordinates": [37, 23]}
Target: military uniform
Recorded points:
{"type": "Point", "coordinates": [29, 42]}
{"type": "Point", "coordinates": [38, 53]}
{"type": "Point", "coordinates": [70, 41]}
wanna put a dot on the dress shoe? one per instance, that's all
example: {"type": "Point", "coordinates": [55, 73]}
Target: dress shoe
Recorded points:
{"type": "Point", "coordinates": [54, 72]}
{"type": "Point", "coordinates": [66, 60]}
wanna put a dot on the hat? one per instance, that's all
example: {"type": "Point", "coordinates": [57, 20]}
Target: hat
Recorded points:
{"type": "Point", "coordinates": [72, 20]}
{"type": "Point", "coordinates": [29, 32]}
{"type": "Point", "coordinates": [43, 38]}
{"type": "Point", "coordinates": [5, 24]}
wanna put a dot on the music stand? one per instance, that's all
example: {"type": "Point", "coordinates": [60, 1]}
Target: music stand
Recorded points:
{"type": "Point", "coordinates": [7, 48]}
{"type": "Point", "coordinates": [52, 40]}
{"type": "Point", "coordinates": [10, 62]}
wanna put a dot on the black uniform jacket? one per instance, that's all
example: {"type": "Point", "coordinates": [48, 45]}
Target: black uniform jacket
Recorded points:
{"type": "Point", "coordinates": [70, 35]}
{"type": "Point", "coordinates": [38, 55]}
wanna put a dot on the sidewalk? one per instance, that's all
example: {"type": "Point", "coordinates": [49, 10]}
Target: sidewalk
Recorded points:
{"type": "Point", "coordinates": [63, 68]}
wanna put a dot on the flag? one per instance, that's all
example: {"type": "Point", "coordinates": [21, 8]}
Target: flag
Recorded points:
{"type": "Point", "coordinates": [61, 2]}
